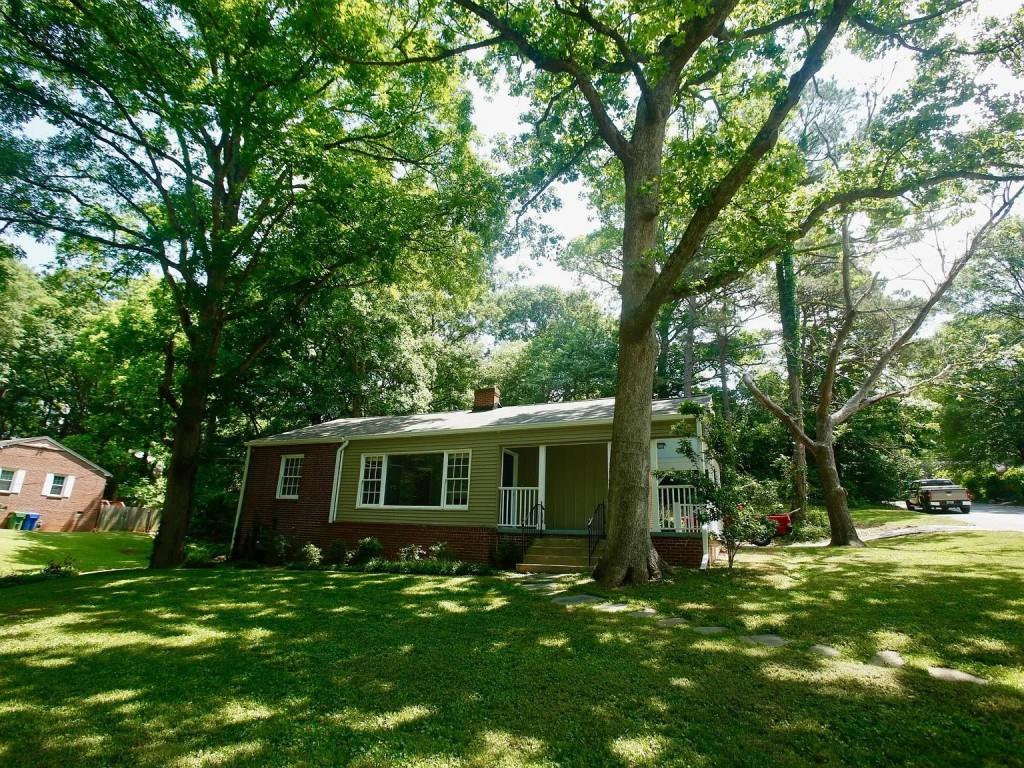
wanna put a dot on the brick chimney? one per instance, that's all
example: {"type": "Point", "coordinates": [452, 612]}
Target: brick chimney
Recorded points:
{"type": "Point", "coordinates": [486, 399]}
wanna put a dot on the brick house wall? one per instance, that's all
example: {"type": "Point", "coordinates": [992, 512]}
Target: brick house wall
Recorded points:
{"type": "Point", "coordinates": [78, 512]}
{"type": "Point", "coordinates": [307, 518]}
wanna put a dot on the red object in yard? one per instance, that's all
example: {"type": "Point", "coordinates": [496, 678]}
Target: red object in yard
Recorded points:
{"type": "Point", "coordinates": [783, 523]}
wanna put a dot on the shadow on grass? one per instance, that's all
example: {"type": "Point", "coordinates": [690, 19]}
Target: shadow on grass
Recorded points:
{"type": "Point", "coordinates": [283, 668]}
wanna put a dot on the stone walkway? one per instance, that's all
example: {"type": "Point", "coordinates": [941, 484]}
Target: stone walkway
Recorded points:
{"type": "Point", "coordinates": [555, 586]}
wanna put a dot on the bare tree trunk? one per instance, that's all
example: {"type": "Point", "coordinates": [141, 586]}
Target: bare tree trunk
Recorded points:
{"type": "Point", "coordinates": [169, 547]}
{"type": "Point", "coordinates": [723, 373]}
{"type": "Point", "coordinates": [630, 556]}
{"type": "Point", "coordinates": [785, 275]}
{"type": "Point", "coordinates": [844, 533]}
{"type": "Point", "coordinates": [661, 383]}
{"type": "Point", "coordinates": [691, 328]}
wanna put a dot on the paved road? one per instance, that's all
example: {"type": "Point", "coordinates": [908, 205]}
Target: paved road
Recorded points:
{"type": "Point", "coordinates": [989, 517]}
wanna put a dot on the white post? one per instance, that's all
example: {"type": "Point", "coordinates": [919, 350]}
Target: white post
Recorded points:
{"type": "Point", "coordinates": [542, 471]}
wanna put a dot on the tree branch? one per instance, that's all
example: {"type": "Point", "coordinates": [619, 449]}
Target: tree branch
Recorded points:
{"type": "Point", "coordinates": [780, 413]}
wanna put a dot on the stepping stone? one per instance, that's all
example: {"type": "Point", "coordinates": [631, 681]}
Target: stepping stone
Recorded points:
{"type": "Point", "coordinates": [612, 607]}
{"type": "Point", "coordinates": [674, 621]}
{"type": "Point", "coordinates": [955, 676]}
{"type": "Point", "coordinates": [544, 587]}
{"type": "Point", "coordinates": [772, 641]}
{"type": "Point", "coordinates": [709, 630]}
{"type": "Point", "coordinates": [826, 650]}
{"type": "Point", "coordinates": [576, 599]}
{"type": "Point", "coordinates": [643, 613]}
{"type": "Point", "coordinates": [887, 659]}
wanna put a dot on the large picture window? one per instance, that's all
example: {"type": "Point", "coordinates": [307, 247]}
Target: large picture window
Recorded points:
{"type": "Point", "coordinates": [439, 479]}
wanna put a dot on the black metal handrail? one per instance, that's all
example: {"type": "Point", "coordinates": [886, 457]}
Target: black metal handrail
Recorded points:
{"type": "Point", "coordinates": [595, 531]}
{"type": "Point", "coordinates": [536, 515]}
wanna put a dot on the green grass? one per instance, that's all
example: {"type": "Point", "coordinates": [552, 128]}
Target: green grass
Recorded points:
{"type": "Point", "coordinates": [894, 517]}
{"type": "Point", "coordinates": [22, 551]}
{"type": "Point", "coordinates": [276, 668]}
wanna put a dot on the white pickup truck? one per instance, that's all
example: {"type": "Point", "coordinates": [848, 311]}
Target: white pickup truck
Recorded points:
{"type": "Point", "coordinates": [935, 494]}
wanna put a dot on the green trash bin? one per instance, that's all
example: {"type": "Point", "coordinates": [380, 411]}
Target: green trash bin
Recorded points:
{"type": "Point", "coordinates": [15, 519]}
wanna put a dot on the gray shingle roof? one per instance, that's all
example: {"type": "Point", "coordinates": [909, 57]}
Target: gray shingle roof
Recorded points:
{"type": "Point", "coordinates": [511, 417]}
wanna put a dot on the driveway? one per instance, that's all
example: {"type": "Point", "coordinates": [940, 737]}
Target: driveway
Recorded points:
{"type": "Point", "coordinates": [988, 517]}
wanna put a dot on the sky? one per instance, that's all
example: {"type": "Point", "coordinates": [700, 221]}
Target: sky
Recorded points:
{"type": "Point", "coordinates": [497, 114]}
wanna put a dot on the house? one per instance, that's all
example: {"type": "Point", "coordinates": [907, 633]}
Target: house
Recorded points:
{"type": "Point", "coordinates": [38, 474]}
{"type": "Point", "coordinates": [469, 478]}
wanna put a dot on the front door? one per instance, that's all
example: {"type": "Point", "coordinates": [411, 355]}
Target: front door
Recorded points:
{"type": "Point", "coordinates": [576, 482]}
{"type": "Point", "coordinates": [508, 469]}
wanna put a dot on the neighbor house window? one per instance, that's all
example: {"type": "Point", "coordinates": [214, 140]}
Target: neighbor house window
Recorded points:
{"type": "Point", "coordinates": [58, 486]}
{"type": "Point", "coordinates": [289, 477]}
{"type": "Point", "coordinates": [438, 479]}
{"type": "Point", "coordinates": [11, 480]}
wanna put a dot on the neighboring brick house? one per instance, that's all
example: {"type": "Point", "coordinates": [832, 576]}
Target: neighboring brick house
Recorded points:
{"type": "Point", "coordinates": [469, 478]}
{"type": "Point", "coordinates": [38, 474]}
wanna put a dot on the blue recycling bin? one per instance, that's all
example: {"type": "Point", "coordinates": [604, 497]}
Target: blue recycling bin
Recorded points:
{"type": "Point", "coordinates": [31, 520]}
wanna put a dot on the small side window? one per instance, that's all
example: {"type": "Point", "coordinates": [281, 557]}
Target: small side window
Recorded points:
{"type": "Point", "coordinates": [290, 477]}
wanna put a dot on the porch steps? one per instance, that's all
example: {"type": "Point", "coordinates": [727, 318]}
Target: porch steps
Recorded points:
{"type": "Point", "coordinates": [561, 554]}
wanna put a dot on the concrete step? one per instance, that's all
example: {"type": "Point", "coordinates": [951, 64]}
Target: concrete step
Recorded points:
{"type": "Point", "coordinates": [563, 558]}
{"type": "Point", "coordinates": [552, 568]}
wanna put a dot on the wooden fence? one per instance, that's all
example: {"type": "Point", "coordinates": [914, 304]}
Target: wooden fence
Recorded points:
{"type": "Point", "coordinates": [138, 519]}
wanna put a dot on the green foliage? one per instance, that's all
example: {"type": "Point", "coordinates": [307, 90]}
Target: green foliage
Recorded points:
{"type": "Point", "coordinates": [336, 553]}
{"type": "Point", "coordinates": [368, 548]}
{"type": "Point", "coordinates": [412, 552]}
{"type": "Point", "coordinates": [813, 525]}
{"type": "Point", "coordinates": [423, 566]}
{"type": "Point", "coordinates": [310, 557]}
{"type": "Point", "coordinates": [507, 554]}
{"type": "Point", "coordinates": [556, 346]}
{"type": "Point", "coordinates": [202, 554]}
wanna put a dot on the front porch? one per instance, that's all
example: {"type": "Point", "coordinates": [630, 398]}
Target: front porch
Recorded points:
{"type": "Point", "coordinates": [557, 489]}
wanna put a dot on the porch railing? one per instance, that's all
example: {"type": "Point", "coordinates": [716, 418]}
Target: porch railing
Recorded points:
{"type": "Point", "coordinates": [676, 508]}
{"type": "Point", "coordinates": [595, 531]}
{"type": "Point", "coordinates": [520, 507]}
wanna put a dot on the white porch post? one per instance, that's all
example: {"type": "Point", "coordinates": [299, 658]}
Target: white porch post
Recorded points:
{"type": "Point", "coordinates": [542, 471]}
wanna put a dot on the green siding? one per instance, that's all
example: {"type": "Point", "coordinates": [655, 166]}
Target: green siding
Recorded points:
{"type": "Point", "coordinates": [484, 470]}
{"type": "Point", "coordinates": [577, 481]}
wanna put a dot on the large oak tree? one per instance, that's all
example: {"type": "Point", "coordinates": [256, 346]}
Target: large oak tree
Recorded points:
{"type": "Point", "coordinates": [238, 150]}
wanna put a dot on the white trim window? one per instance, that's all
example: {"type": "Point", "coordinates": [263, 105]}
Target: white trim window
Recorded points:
{"type": "Point", "coordinates": [427, 480]}
{"type": "Point", "coordinates": [11, 480]}
{"type": "Point", "coordinates": [371, 482]}
{"type": "Point", "coordinates": [456, 479]}
{"type": "Point", "coordinates": [289, 476]}
{"type": "Point", "coordinates": [58, 486]}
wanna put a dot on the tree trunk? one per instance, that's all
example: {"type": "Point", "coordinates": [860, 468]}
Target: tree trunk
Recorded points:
{"type": "Point", "coordinates": [723, 373]}
{"type": "Point", "coordinates": [691, 328]}
{"type": "Point", "coordinates": [630, 556]}
{"type": "Point", "coordinates": [789, 311]}
{"type": "Point", "coordinates": [661, 383]}
{"type": "Point", "coordinates": [169, 546]}
{"type": "Point", "coordinates": [844, 534]}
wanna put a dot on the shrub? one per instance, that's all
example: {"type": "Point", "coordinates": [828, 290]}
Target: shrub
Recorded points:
{"type": "Point", "coordinates": [425, 567]}
{"type": "Point", "coordinates": [442, 551]}
{"type": "Point", "coordinates": [366, 549]}
{"type": "Point", "coordinates": [310, 556]}
{"type": "Point", "coordinates": [336, 553]}
{"type": "Point", "coordinates": [506, 554]}
{"type": "Point", "coordinates": [412, 552]}
{"type": "Point", "coordinates": [811, 527]}
{"type": "Point", "coordinates": [199, 554]}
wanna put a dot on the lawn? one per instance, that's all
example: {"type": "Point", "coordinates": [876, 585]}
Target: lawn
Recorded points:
{"type": "Point", "coordinates": [25, 551]}
{"type": "Point", "coordinates": [229, 667]}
